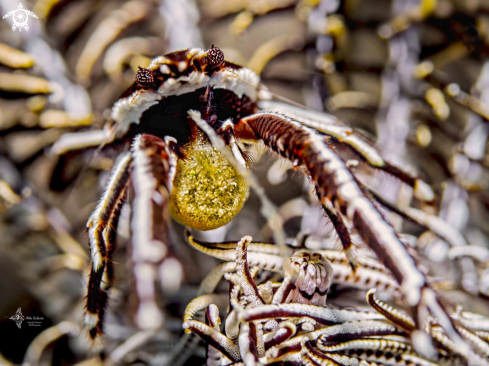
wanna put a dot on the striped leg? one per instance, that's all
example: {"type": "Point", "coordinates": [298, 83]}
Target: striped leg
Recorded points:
{"type": "Point", "coordinates": [341, 230]}
{"type": "Point", "coordinates": [101, 233]}
{"type": "Point", "coordinates": [343, 135]}
{"type": "Point", "coordinates": [153, 168]}
{"type": "Point", "coordinates": [335, 182]}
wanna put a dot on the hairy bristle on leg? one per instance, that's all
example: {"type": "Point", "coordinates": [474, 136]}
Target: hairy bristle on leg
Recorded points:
{"type": "Point", "coordinates": [101, 233]}
{"type": "Point", "coordinates": [153, 164]}
{"type": "Point", "coordinates": [335, 182]}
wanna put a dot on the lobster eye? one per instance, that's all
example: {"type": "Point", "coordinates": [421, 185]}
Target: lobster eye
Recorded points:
{"type": "Point", "coordinates": [215, 56]}
{"type": "Point", "coordinates": [145, 78]}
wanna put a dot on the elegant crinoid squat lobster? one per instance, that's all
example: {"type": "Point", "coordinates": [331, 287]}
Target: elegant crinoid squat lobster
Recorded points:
{"type": "Point", "coordinates": [172, 115]}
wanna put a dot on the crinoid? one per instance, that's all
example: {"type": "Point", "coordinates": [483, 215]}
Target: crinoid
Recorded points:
{"type": "Point", "coordinates": [288, 323]}
{"type": "Point", "coordinates": [182, 128]}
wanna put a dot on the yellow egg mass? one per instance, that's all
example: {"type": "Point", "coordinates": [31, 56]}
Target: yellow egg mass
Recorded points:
{"type": "Point", "coordinates": [207, 190]}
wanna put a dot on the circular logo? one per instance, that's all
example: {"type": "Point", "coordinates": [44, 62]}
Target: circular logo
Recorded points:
{"type": "Point", "coordinates": [20, 17]}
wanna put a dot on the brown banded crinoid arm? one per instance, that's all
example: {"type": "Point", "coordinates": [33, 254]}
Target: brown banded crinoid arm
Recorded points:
{"type": "Point", "coordinates": [369, 272]}
{"type": "Point", "coordinates": [478, 355]}
{"type": "Point", "coordinates": [212, 317]}
{"type": "Point", "coordinates": [335, 182]}
{"type": "Point", "coordinates": [251, 337]}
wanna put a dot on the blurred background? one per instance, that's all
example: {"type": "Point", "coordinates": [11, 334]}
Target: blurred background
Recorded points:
{"type": "Point", "coordinates": [411, 75]}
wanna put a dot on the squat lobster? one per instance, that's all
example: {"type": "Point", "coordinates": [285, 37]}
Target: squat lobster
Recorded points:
{"type": "Point", "coordinates": [170, 117]}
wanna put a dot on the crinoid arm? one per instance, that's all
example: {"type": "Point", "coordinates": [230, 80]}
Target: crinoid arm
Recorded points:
{"type": "Point", "coordinates": [335, 182]}
{"type": "Point", "coordinates": [82, 140]}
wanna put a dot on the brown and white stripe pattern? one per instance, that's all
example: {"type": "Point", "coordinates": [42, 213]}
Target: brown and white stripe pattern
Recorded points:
{"type": "Point", "coordinates": [213, 357]}
{"type": "Point", "coordinates": [344, 135]}
{"type": "Point", "coordinates": [153, 163]}
{"type": "Point", "coordinates": [101, 232]}
{"type": "Point", "coordinates": [180, 75]}
{"type": "Point", "coordinates": [335, 182]}
{"type": "Point", "coordinates": [222, 343]}
{"type": "Point", "coordinates": [369, 272]}
{"type": "Point", "coordinates": [318, 313]}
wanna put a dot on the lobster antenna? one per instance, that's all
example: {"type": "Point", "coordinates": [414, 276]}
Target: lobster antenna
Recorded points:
{"type": "Point", "coordinates": [280, 97]}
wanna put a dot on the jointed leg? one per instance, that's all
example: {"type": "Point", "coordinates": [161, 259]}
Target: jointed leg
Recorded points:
{"type": "Point", "coordinates": [110, 235]}
{"type": "Point", "coordinates": [101, 232]}
{"type": "Point", "coordinates": [152, 175]}
{"type": "Point", "coordinates": [341, 230]}
{"type": "Point", "coordinates": [333, 128]}
{"type": "Point", "coordinates": [335, 182]}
